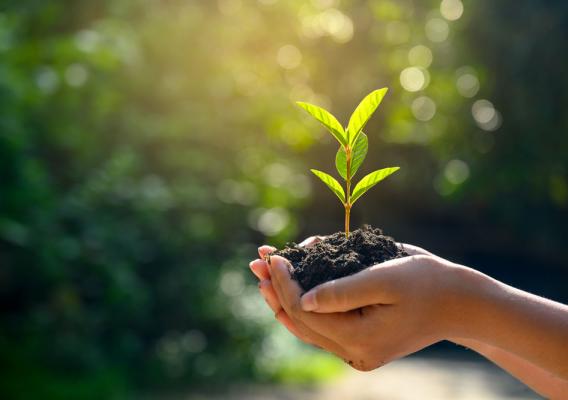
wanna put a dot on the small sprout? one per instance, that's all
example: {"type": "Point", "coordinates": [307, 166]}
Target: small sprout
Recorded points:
{"type": "Point", "coordinates": [353, 146]}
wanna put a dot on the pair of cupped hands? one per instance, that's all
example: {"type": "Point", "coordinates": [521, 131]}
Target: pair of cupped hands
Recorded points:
{"type": "Point", "coordinates": [380, 314]}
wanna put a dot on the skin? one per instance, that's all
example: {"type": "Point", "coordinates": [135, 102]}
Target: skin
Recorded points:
{"type": "Point", "coordinates": [398, 307]}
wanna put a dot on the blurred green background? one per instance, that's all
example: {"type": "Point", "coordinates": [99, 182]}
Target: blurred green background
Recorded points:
{"type": "Point", "coordinates": [147, 148]}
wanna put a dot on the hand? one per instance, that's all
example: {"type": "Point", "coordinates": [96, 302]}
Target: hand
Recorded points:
{"type": "Point", "coordinates": [466, 306]}
{"type": "Point", "coordinates": [259, 267]}
{"type": "Point", "coordinates": [398, 308]}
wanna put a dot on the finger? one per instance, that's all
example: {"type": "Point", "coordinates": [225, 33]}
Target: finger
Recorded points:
{"type": "Point", "coordinates": [311, 241]}
{"type": "Point", "coordinates": [313, 326]}
{"type": "Point", "coordinates": [289, 293]}
{"type": "Point", "coordinates": [285, 320]}
{"type": "Point", "coordinates": [260, 269]}
{"type": "Point", "coordinates": [265, 250]}
{"type": "Point", "coordinates": [374, 285]}
{"type": "Point", "coordinates": [414, 250]}
{"type": "Point", "coordinates": [267, 291]}
{"type": "Point", "coordinates": [311, 338]}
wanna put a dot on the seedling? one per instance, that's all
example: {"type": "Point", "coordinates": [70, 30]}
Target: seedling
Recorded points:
{"type": "Point", "coordinates": [353, 146]}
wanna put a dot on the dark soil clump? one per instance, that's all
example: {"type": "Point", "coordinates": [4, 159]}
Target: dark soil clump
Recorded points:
{"type": "Point", "coordinates": [336, 256]}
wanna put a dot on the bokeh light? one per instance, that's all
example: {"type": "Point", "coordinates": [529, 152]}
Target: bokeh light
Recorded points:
{"type": "Point", "coordinates": [414, 79]}
{"type": "Point", "coordinates": [437, 30]}
{"type": "Point", "coordinates": [330, 22]}
{"type": "Point", "coordinates": [420, 56]}
{"type": "Point", "coordinates": [47, 80]}
{"type": "Point", "coordinates": [76, 75]}
{"type": "Point", "coordinates": [485, 115]}
{"type": "Point", "coordinates": [467, 82]}
{"type": "Point", "coordinates": [452, 10]}
{"type": "Point", "coordinates": [269, 222]}
{"type": "Point", "coordinates": [423, 108]}
{"type": "Point", "coordinates": [456, 172]}
{"type": "Point", "coordinates": [289, 57]}
{"type": "Point", "coordinates": [397, 32]}
{"type": "Point", "coordinates": [147, 149]}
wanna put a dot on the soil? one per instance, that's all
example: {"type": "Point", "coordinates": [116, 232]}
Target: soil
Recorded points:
{"type": "Point", "coordinates": [337, 256]}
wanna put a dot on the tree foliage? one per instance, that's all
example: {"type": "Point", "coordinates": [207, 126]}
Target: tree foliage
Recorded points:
{"type": "Point", "coordinates": [147, 147]}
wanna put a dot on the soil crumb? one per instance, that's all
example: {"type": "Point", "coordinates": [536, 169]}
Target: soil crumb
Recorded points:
{"type": "Point", "coordinates": [337, 256]}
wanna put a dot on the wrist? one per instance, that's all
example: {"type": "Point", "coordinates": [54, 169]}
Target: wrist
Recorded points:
{"type": "Point", "coordinates": [466, 296]}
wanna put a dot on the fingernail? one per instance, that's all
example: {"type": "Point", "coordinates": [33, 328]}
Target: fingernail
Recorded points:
{"type": "Point", "coordinates": [309, 301]}
{"type": "Point", "coordinates": [266, 250]}
{"type": "Point", "coordinates": [253, 267]}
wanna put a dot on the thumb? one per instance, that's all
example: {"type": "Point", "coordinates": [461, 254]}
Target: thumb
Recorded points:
{"type": "Point", "coordinates": [373, 285]}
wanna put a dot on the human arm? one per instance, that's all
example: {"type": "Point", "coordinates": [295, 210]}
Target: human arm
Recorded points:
{"type": "Point", "coordinates": [540, 380]}
{"type": "Point", "coordinates": [525, 370]}
{"type": "Point", "coordinates": [535, 377]}
{"type": "Point", "coordinates": [467, 304]}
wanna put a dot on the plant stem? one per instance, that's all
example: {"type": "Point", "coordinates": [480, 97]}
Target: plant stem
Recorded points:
{"type": "Point", "coordinates": [348, 190]}
{"type": "Point", "coordinates": [347, 215]}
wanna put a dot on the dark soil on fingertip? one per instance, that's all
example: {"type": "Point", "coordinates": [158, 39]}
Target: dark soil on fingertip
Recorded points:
{"type": "Point", "coordinates": [337, 256]}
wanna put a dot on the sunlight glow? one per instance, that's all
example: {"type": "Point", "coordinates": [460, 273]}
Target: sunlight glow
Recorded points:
{"type": "Point", "coordinates": [237, 192]}
{"type": "Point", "coordinates": [437, 30]}
{"type": "Point", "coordinates": [423, 108]}
{"type": "Point", "coordinates": [397, 32]}
{"type": "Point", "coordinates": [485, 115]}
{"type": "Point", "coordinates": [289, 57]}
{"type": "Point", "coordinates": [76, 75]}
{"type": "Point", "coordinates": [229, 7]}
{"type": "Point", "coordinates": [270, 221]}
{"type": "Point", "coordinates": [413, 79]}
{"type": "Point", "coordinates": [456, 172]}
{"type": "Point", "coordinates": [87, 40]}
{"type": "Point", "coordinates": [483, 111]}
{"type": "Point", "coordinates": [452, 10]}
{"type": "Point", "coordinates": [467, 82]}
{"type": "Point", "coordinates": [337, 25]}
{"type": "Point", "coordinates": [232, 283]}
{"type": "Point", "coordinates": [330, 22]}
{"type": "Point", "coordinates": [47, 80]}
{"type": "Point", "coordinates": [420, 56]}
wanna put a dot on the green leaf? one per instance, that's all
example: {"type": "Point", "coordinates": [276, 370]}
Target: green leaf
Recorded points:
{"type": "Point", "coordinates": [363, 112]}
{"type": "Point", "coordinates": [331, 183]}
{"type": "Point", "coordinates": [371, 180]}
{"type": "Point", "coordinates": [358, 154]}
{"type": "Point", "coordinates": [327, 120]}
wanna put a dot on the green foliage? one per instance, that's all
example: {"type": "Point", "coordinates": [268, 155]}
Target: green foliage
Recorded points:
{"type": "Point", "coordinates": [127, 213]}
{"type": "Point", "coordinates": [327, 120]}
{"type": "Point", "coordinates": [371, 180]}
{"type": "Point", "coordinates": [146, 148]}
{"type": "Point", "coordinates": [331, 183]}
{"type": "Point", "coordinates": [358, 155]}
{"type": "Point", "coordinates": [363, 112]}
{"type": "Point", "coordinates": [352, 151]}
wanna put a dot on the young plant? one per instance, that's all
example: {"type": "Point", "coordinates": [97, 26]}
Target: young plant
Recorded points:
{"type": "Point", "coordinates": [353, 146]}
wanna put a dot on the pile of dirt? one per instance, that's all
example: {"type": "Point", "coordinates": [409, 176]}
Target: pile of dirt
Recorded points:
{"type": "Point", "coordinates": [337, 256]}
